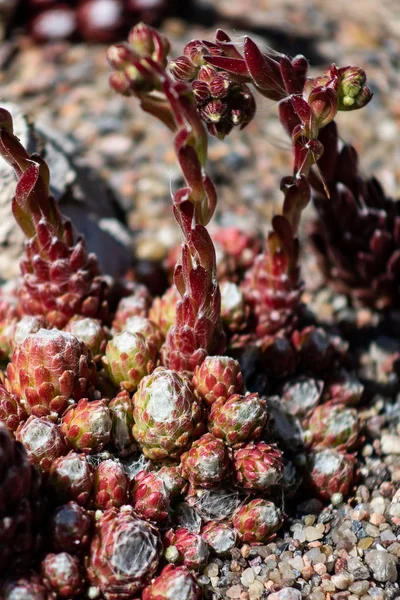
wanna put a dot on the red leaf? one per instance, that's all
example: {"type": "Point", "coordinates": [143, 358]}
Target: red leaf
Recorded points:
{"type": "Point", "coordinates": [237, 66]}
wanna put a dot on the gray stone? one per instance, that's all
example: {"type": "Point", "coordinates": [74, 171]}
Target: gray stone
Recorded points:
{"type": "Point", "coordinates": [382, 565]}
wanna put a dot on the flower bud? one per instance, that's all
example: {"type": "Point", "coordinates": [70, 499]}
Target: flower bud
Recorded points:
{"type": "Point", "coordinates": [201, 92]}
{"type": "Point", "coordinates": [146, 41]}
{"type": "Point", "coordinates": [214, 111]}
{"type": "Point", "coordinates": [195, 50]}
{"type": "Point", "coordinates": [353, 93]}
{"type": "Point", "coordinates": [219, 85]}
{"type": "Point", "coordinates": [207, 74]}
{"type": "Point", "coordinates": [183, 69]}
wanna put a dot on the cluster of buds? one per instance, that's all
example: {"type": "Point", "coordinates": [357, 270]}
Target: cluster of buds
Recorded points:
{"type": "Point", "coordinates": [306, 106]}
{"type": "Point", "coordinates": [222, 102]}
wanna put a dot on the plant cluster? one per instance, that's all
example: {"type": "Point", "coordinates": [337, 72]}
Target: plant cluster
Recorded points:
{"type": "Point", "coordinates": [159, 431]}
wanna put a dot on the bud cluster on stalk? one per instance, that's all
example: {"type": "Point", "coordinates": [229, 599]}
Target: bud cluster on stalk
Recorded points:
{"type": "Point", "coordinates": [125, 416]}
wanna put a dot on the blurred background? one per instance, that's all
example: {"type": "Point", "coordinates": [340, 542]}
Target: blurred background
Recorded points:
{"type": "Point", "coordinates": [113, 168]}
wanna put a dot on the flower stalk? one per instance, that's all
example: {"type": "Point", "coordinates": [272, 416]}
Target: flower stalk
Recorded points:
{"type": "Point", "coordinates": [140, 70]}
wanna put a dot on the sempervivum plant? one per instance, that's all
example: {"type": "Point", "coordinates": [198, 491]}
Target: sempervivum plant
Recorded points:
{"type": "Point", "coordinates": [59, 278]}
{"type": "Point", "coordinates": [124, 554]}
{"type": "Point", "coordinates": [150, 496]}
{"type": "Point", "coordinates": [173, 583]}
{"type": "Point", "coordinates": [69, 528]}
{"type": "Point", "coordinates": [220, 537]}
{"type": "Point", "coordinates": [257, 521]}
{"type": "Point", "coordinates": [186, 547]}
{"type": "Point", "coordinates": [173, 479]}
{"type": "Point", "coordinates": [135, 305]}
{"type": "Point", "coordinates": [238, 419]}
{"type": "Point", "coordinates": [147, 328]}
{"type": "Point", "coordinates": [110, 485]}
{"type": "Point", "coordinates": [91, 332]}
{"type": "Point", "coordinates": [71, 478]}
{"type": "Point", "coordinates": [87, 426]}
{"type": "Point", "coordinates": [334, 426]}
{"type": "Point", "coordinates": [258, 466]}
{"type": "Point", "coordinates": [42, 440]}
{"type": "Point", "coordinates": [356, 235]}
{"type": "Point", "coordinates": [20, 503]}
{"type": "Point", "coordinates": [129, 357]}
{"type": "Point", "coordinates": [62, 574]}
{"type": "Point", "coordinates": [48, 369]}
{"type": "Point", "coordinates": [28, 586]}
{"type": "Point", "coordinates": [218, 377]}
{"type": "Point", "coordinates": [331, 472]}
{"type": "Point", "coordinates": [140, 70]}
{"type": "Point", "coordinates": [163, 309]}
{"type": "Point", "coordinates": [207, 462]}
{"type": "Point", "coordinates": [167, 414]}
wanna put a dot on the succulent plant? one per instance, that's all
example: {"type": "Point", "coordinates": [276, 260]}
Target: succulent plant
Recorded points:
{"type": "Point", "coordinates": [207, 462]}
{"type": "Point", "coordinates": [343, 387]}
{"type": "Point", "coordinates": [139, 69]}
{"type": "Point", "coordinates": [186, 547]}
{"type": "Point", "coordinates": [238, 419]}
{"type": "Point", "coordinates": [147, 328]}
{"type": "Point", "coordinates": [167, 414]}
{"type": "Point", "coordinates": [173, 582]}
{"type": "Point", "coordinates": [48, 369]}
{"type": "Point", "coordinates": [110, 485]}
{"type": "Point", "coordinates": [11, 411]}
{"type": "Point", "coordinates": [42, 440]}
{"type": "Point", "coordinates": [218, 377]}
{"type": "Point", "coordinates": [124, 554]}
{"type": "Point", "coordinates": [61, 573]}
{"type": "Point", "coordinates": [258, 466]}
{"type": "Point", "coordinates": [135, 305]}
{"type": "Point", "coordinates": [314, 348]}
{"type": "Point", "coordinates": [27, 586]}
{"type": "Point", "coordinates": [257, 521]}
{"type": "Point", "coordinates": [163, 310]}
{"type": "Point", "coordinates": [333, 426]}
{"type": "Point", "coordinates": [69, 528]}
{"type": "Point", "coordinates": [27, 325]}
{"type": "Point", "coordinates": [301, 395]}
{"type": "Point", "coordinates": [91, 332]}
{"type": "Point", "coordinates": [173, 479]}
{"type": "Point", "coordinates": [129, 357]}
{"type": "Point", "coordinates": [71, 478]}
{"type": "Point", "coordinates": [87, 426]}
{"type": "Point", "coordinates": [220, 537]}
{"type": "Point", "coordinates": [330, 472]}
{"type": "Point", "coordinates": [59, 278]}
{"type": "Point", "coordinates": [20, 503]}
{"type": "Point", "coordinates": [121, 410]}
{"type": "Point", "coordinates": [150, 497]}
{"type": "Point", "coordinates": [356, 234]}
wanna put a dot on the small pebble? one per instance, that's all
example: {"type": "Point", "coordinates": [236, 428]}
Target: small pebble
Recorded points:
{"type": "Point", "coordinates": [382, 565]}
{"type": "Point", "coordinates": [390, 444]}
